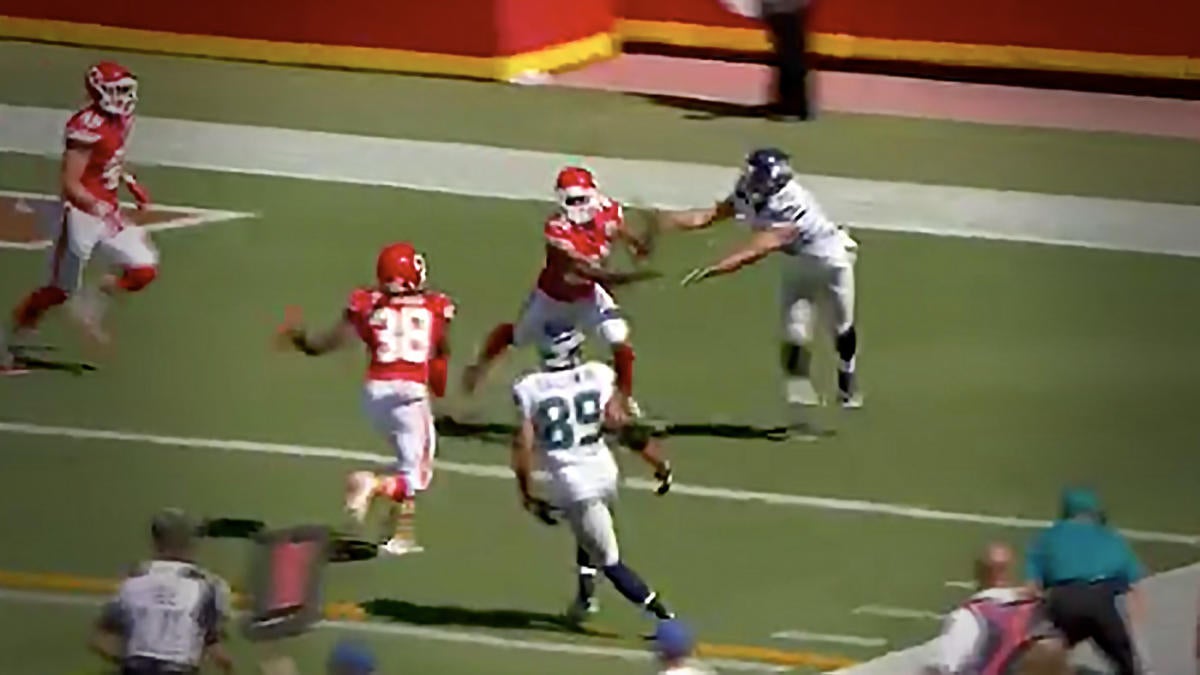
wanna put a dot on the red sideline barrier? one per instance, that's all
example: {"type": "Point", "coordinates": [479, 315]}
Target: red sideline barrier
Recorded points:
{"type": "Point", "coordinates": [483, 38]}
{"type": "Point", "coordinates": [1157, 39]}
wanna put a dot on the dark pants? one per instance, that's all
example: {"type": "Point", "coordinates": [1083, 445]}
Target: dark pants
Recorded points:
{"type": "Point", "coordinates": [145, 666]}
{"type": "Point", "coordinates": [789, 38]}
{"type": "Point", "coordinates": [1085, 611]}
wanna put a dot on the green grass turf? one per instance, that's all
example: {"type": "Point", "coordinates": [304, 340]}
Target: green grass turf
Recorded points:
{"type": "Point", "coordinates": [995, 373]}
{"type": "Point", "coordinates": [601, 123]}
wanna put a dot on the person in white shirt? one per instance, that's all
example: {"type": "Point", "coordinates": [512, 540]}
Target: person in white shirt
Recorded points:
{"type": "Point", "coordinates": [818, 271]}
{"type": "Point", "coordinates": [169, 615]}
{"type": "Point", "coordinates": [676, 648]}
{"type": "Point", "coordinates": [1000, 629]}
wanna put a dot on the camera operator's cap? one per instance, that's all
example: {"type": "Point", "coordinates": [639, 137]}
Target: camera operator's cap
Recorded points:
{"type": "Point", "coordinates": [351, 657]}
{"type": "Point", "coordinates": [172, 526]}
{"type": "Point", "coordinates": [1078, 500]}
{"type": "Point", "coordinates": [673, 639]}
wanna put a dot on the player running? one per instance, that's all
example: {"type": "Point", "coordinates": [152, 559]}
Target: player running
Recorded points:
{"type": "Point", "coordinates": [404, 327]}
{"type": "Point", "coordinates": [93, 170]}
{"type": "Point", "coordinates": [563, 409]}
{"type": "Point", "coordinates": [572, 289]}
{"type": "Point", "coordinates": [820, 268]}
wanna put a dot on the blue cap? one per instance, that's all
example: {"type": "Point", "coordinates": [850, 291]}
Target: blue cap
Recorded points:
{"type": "Point", "coordinates": [673, 639]}
{"type": "Point", "coordinates": [351, 657]}
{"type": "Point", "coordinates": [1077, 501]}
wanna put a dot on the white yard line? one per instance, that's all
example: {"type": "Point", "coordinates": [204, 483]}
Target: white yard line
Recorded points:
{"type": "Point", "coordinates": [499, 471]}
{"type": "Point", "coordinates": [486, 171]}
{"type": "Point", "coordinates": [964, 585]}
{"type": "Point", "coordinates": [47, 203]}
{"type": "Point", "coordinates": [831, 638]}
{"type": "Point", "coordinates": [897, 612]}
{"type": "Point", "coordinates": [425, 633]}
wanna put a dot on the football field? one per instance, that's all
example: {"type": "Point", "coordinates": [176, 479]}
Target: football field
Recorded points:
{"type": "Point", "coordinates": [997, 367]}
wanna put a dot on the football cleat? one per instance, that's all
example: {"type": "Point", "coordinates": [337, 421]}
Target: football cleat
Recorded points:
{"type": "Point", "coordinates": [88, 308]}
{"type": "Point", "coordinates": [360, 493]}
{"type": "Point", "coordinates": [398, 547]}
{"type": "Point", "coordinates": [850, 401]}
{"type": "Point", "coordinates": [580, 609]}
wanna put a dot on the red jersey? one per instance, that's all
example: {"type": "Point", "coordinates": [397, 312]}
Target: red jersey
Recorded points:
{"type": "Point", "coordinates": [104, 135]}
{"type": "Point", "coordinates": [592, 241]}
{"type": "Point", "coordinates": [401, 332]}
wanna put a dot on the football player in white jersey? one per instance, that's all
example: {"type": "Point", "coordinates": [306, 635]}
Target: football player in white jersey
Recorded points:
{"type": "Point", "coordinates": [564, 409]}
{"type": "Point", "coordinates": [819, 268]}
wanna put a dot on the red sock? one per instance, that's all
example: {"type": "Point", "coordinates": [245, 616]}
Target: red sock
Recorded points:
{"type": "Point", "coordinates": [36, 304]}
{"type": "Point", "coordinates": [136, 278]}
{"type": "Point", "coordinates": [623, 364]}
{"type": "Point", "coordinates": [498, 341]}
{"type": "Point", "coordinates": [395, 488]}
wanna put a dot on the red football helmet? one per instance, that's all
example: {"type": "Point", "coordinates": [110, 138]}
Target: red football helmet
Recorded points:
{"type": "Point", "coordinates": [112, 88]}
{"type": "Point", "coordinates": [578, 197]}
{"type": "Point", "coordinates": [400, 269]}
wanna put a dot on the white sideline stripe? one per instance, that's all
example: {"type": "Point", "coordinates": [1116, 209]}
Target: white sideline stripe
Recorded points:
{"type": "Point", "coordinates": [486, 171]}
{"type": "Point", "coordinates": [497, 471]}
{"type": "Point", "coordinates": [965, 585]}
{"type": "Point", "coordinates": [897, 612]}
{"type": "Point", "coordinates": [423, 633]}
{"type": "Point", "coordinates": [198, 216]}
{"type": "Point", "coordinates": [832, 638]}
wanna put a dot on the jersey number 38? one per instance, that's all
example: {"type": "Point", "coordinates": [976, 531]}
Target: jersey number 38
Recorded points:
{"type": "Point", "coordinates": [402, 334]}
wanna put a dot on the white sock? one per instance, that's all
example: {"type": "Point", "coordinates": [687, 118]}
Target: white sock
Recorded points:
{"type": "Point", "coordinates": [800, 391]}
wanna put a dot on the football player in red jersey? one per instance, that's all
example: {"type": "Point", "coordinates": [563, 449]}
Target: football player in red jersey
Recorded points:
{"type": "Point", "coordinates": [404, 327]}
{"type": "Point", "coordinates": [572, 287]}
{"type": "Point", "coordinates": [93, 170]}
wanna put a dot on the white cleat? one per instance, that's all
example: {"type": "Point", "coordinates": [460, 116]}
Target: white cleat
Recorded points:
{"type": "Point", "coordinates": [852, 402]}
{"type": "Point", "coordinates": [360, 493]}
{"type": "Point", "coordinates": [399, 547]}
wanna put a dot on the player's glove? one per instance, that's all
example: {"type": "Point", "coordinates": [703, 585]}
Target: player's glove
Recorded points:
{"type": "Point", "coordinates": [140, 195]}
{"type": "Point", "coordinates": [664, 477]}
{"type": "Point", "coordinates": [542, 510]}
{"type": "Point", "coordinates": [696, 276]}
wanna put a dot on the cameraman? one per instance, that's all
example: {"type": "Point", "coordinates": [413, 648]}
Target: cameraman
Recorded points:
{"type": "Point", "coordinates": [169, 614]}
{"type": "Point", "coordinates": [1085, 567]}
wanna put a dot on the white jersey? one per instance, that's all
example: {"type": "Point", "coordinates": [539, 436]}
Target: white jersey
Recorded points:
{"type": "Point", "coordinates": [793, 207]}
{"type": "Point", "coordinates": [566, 408]}
{"type": "Point", "coordinates": [168, 611]}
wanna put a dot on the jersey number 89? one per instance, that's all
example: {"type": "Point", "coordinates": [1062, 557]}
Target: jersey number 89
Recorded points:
{"type": "Point", "coordinates": [563, 424]}
{"type": "Point", "coordinates": [403, 334]}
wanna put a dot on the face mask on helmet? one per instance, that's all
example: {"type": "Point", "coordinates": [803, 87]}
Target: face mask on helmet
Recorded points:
{"type": "Point", "coordinates": [578, 204]}
{"type": "Point", "coordinates": [561, 350]}
{"type": "Point", "coordinates": [113, 89]}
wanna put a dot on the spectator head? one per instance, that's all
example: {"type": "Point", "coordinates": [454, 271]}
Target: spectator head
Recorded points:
{"type": "Point", "coordinates": [993, 566]}
{"type": "Point", "coordinates": [1080, 503]}
{"type": "Point", "coordinates": [673, 641]}
{"type": "Point", "coordinates": [351, 658]}
{"type": "Point", "coordinates": [172, 533]}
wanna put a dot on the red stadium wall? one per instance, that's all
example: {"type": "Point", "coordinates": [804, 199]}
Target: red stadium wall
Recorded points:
{"type": "Point", "coordinates": [1158, 38]}
{"type": "Point", "coordinates": [501, 38]}
{"type": "Point", "coordinates": [485, 38]}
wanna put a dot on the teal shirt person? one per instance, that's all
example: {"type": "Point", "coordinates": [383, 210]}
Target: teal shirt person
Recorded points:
{"type": "Point", "coordinates": [1081, 547]}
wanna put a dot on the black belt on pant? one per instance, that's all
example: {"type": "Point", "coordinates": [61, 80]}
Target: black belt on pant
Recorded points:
{"type": "Point", "coordinates": [1110, 583]}
{"type": "Point", "coordinates": [139, 665]}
